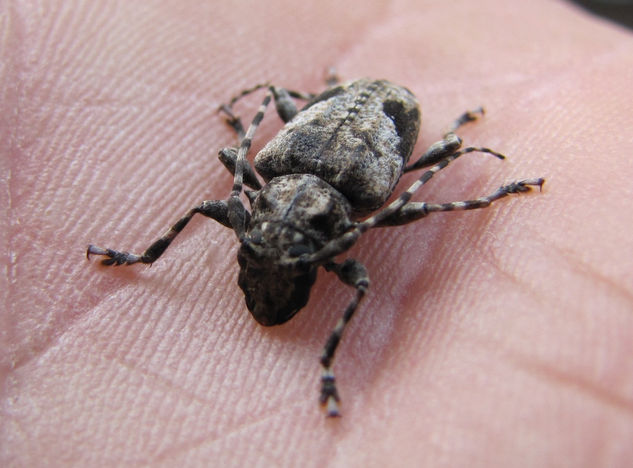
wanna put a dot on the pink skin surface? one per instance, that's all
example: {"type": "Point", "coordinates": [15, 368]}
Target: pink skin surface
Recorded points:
{"type": "Point", "coordinates": [497, 337]}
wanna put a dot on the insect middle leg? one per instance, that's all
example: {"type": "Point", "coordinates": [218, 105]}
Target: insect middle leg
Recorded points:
{"type": "Point", "coordinates": [413, 211]}
{"type": "Point", "coordinates": [347, 240]}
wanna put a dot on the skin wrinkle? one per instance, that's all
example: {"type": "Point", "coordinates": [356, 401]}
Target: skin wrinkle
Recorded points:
{"type": "Point", "coordinates": [9, 130]}
{"type": "Point", "coordinates": [478, 234]}
{"type": "Point", "coordinates": [136, 368]}
{"type": "Point", "coordinates": [394, 408]}
{"type": "Point", "coordinates": [217, 438]}
{"type": "Point", "coordinates": [377, 22]}
{"type": "Point", "coordinates": [576, 263]}
{"type": "Point", "coordinates": [559, 378]}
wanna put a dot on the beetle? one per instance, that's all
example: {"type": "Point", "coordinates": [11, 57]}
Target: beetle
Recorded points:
{"type": "Point", "coordinates": [328, 174]}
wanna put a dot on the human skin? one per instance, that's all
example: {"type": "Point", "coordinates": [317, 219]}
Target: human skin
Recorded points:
{"type": "Point", "coordinates": [496, 337]}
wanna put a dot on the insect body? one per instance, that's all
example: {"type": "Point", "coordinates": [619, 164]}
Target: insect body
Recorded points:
{"type": "Point", "coordinates": [357, 138]}
{"type": "Point", "coordinates": [335, 161]}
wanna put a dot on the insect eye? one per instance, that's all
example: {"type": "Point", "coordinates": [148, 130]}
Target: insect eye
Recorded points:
{"type": "Point", "coordinates": [256, 237]}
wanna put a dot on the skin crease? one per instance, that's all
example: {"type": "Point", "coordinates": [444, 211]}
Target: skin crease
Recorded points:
{"type": "Point", "coordinates": [497, 337]}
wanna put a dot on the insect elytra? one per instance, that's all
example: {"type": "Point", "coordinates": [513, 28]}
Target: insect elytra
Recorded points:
{"type": "Point", "coordinates": [326, 176]}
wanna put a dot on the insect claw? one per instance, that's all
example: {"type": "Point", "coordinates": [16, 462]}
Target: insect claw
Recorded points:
{"type": "Point", "coordinates": [94, 250]}
{"type": "Point", "coordinates": [332, 410]}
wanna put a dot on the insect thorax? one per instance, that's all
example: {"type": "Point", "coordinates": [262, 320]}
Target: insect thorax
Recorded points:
{"type": "Point", "coordinates": [292, 215]}
{"type": "Point", "coordinates": [357, 137]}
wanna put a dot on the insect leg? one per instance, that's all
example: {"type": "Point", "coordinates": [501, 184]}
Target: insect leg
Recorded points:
{"type": "Point", "coordinates": [466, 117]}
{"type": "Point", "coordinates": [332, 78]}
{"type": "Point", "coordinates": [228, 156]}
{"type": "Point", "coordinates": [243, 93]}
{"type": "Point", "coordinates": [353, 273]}
{"type": "Point", "coordinates": [285, 106]}
{"type": "Point", "coordinates": [286, 109]}
{"type": "Point", "coordinates": [236, 212]}
{"type": "Point", "coordinates": [300, 94]}
{"type": "Point", "coordinates": [246, 92]}
{"type": "Point", "coordinates": [215, 209]}
{"type": "Point", "coordinates": [245, 144]}
{"type": "Point", "coordinates": [448, 145]}
{"type": "Point", "coordinates": [436, 152]}
{"type": "Point", "coordinates": [233, 121]}
{"type": "Point", "coordinates": [347, 240]}
{"type": "Point", "coordinates": [413, 211]}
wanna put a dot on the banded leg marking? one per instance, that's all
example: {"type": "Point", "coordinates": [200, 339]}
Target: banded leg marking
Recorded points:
{"type": "Point", "coordinates": [215, 209]}
{"type": "Point", "coordinates": [414, 211]}
{"type": "Point", "coordinates": [347, 240]}
{"type": "Point", "coordinates": [353, 273]}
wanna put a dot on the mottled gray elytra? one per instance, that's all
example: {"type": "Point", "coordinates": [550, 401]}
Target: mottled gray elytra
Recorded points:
{"type": "Point", "coordinates": [335, 161]}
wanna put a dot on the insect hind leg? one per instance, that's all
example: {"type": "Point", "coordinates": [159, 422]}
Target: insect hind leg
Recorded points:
{"type": "Point", "coordinates": [449, 144]}
{"type": "Point", "coordinates": [468, 116]}
{"type": "Point", "coordinates": [286, 109]}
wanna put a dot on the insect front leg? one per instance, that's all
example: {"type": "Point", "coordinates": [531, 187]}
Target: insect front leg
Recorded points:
{"type": "Point", "coordinates": [286, 109]}
{"type": "Point", "coordinates": [229, 157]}
{"type": "Point", "coordinates": [215, 209]}
{"type": "Point", "coordinates": [353, 273]}
{"type": "Point", "coordinates": [237, 213]}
